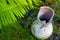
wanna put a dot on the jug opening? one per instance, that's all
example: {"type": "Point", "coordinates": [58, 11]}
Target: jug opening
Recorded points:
{"type": "Point", "coordinates": [46, 16]}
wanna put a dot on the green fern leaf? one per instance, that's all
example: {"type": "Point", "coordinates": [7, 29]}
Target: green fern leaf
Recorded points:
{"type": "Point", "coordinates": [12, 10]}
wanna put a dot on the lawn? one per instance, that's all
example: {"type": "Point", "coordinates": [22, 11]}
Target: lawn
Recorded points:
{"type": "Point", "coordinates": [16, 18]}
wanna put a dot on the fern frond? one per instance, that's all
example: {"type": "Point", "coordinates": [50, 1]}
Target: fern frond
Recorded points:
{"type": "Point", "coordinates": [12, 10]}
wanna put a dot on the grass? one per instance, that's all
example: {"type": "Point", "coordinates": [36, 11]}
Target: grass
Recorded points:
{"type": "Point", "coordinates": [21, 30]}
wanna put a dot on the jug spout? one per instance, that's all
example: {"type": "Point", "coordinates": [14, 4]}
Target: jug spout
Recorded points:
{"type": "Point", "coordinates": [45, 14]}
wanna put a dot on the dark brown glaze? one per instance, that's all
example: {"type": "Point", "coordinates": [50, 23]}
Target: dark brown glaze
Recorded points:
{"type": "Point", "coordinates": [46, 16]}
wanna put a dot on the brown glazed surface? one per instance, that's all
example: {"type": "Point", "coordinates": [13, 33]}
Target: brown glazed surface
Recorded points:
{"type": "Point", "coordinates": [46, 16]}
